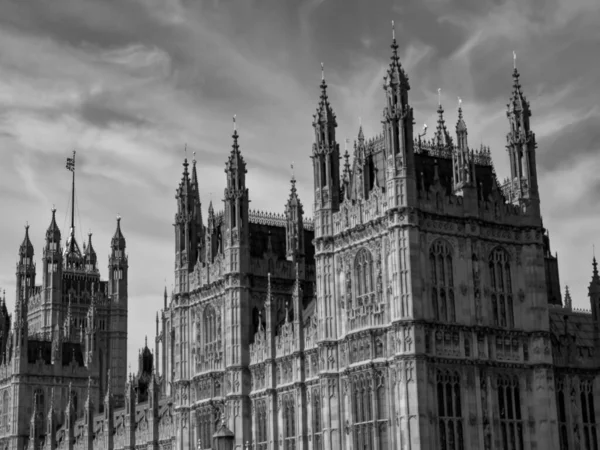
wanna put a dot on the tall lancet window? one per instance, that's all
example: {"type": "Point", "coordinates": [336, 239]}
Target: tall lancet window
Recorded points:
{"type": "Point", "coordinates": [289, 422]}
{"type": "Point", "coordinates": [40, 405]}
{"type": "Point", "coordinates": [588, 416]}
{"type": "Point", "coordinates": [442, 281]}
{"type": "Point", "coordinates": [5, 411]}
{"type": "Point", "coordinates": [509, 406]}
{"type": "Point", "coordinates": [501, 284]}
{"type": "Point", "coordinates": [363, 272]}
{"type": "Point", "coordinates": [206, 425]}
{"type": "Point", "coordinates": [450, 420]}
{"type": "Point", "coordinates": [317, 428]}
{"type": "Point", "coordinates": [362, 406]}
{"type": "Point", "coordinates": [261, 425]}
{"type": "Point", "coordinates": [563, 421]}
{"type": "Point", "coordinates": [211, 333]}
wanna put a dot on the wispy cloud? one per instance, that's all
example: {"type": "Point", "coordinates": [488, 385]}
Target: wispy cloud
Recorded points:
{"type": "Point", "coordinates": [128, 83]}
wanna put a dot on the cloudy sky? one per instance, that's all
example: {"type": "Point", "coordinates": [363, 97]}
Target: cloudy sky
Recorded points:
{"type": "Point", "coordinates": [129, 82]}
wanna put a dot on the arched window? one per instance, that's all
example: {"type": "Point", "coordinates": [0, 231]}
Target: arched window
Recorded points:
{"type": "Point", "coordinates": [261, 425]}
{"type": "Point", "coordinates": [509, 408]}
{"type": "Point", "coordinates": [363, 411]}
{"type": "Point", "coordinates": [289, 422]}
{"type": "Point", "coordinates": [210, 325]}
{"type": "Point", "coordinates": [40, 406]}
{"type": "Point", "coordinates": [5, 411]}
{"type": "Point", "coordinates": [206, 426]}
{"type": "Point", "coordinates": [75, 405]}
{"type": "Point", "coordinates": [316, 425]}
{"type": "Point", "coordinates": [442, 281]}
{"type": "Point", "coordinates": [501, 284]}
{"type": "Point", "coordinates": [212, 331]}
{"type": "Point", "coordinates": [363, 272]}
{"type": "Point", "coordinates": [588, 415]}
{"type": "Point", "coordinates": [449, 411]}
{"type": "Point", "coordinates": [563, 423]}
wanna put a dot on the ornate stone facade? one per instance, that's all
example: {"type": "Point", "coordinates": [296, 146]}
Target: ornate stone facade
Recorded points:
{"type": "Point", "coordinates": [420, 310]}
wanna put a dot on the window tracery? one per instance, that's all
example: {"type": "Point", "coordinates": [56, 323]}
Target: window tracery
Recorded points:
{"type": "Point", "coordinates": [261, 424]}
{"type": "Point", "coordinates": [211, 335]}
{"type": "Point", "coordinates": [369, 410]}
{"type": "Point", "coordinates": [5, 410]}
{"type": "Point", "coordinates": [442, 280]}
{"type": "Point", "coordinates": [563, 424]}
{"type": "Point", "coordinates": [450, 420]}
{"type": "Point", "coordinates": [363, 271]}
{"type": "Point", "coordinates": [207, 419]}
{"type": "Point", "coordinates": [588, 415]}
{"type": "Point", "coordinates": [501, 286]}
{"type": "Point", "coordinates": [40, 406]}
{"type": "Point", "coordinates": [316, 422]}
{"type": "Point", "coordinates": [509, 406]}
{"type": "Point", "coordinates": [289, 422]}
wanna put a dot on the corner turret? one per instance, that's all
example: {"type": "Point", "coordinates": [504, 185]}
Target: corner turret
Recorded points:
{"type": "Point", "coordinates": [326, 164]}
{"type": "Point", "coordinates": [237, 233]}
{"type": "Point", "coordinates": [52, 264]}
{"type": "Point", "coordinates": [117, 266]}
{"type": "Point", "coordinates": [521, 147]}
{"type": "Point", "coordinates": [294, 229]}
{"type": "Point", "coordinates": [398, 134]}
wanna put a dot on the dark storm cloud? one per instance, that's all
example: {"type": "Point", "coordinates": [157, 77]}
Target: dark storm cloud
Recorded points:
{"type": "Point", "coordinates": [102, 114]}
{"type": "Point", "coordinates": [104, 23]}
{"type": "Point", "coordinates": [569, 143]}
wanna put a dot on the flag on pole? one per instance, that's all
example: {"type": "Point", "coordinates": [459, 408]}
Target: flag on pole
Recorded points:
{"type": "Point", "coordinates": [71, 163]}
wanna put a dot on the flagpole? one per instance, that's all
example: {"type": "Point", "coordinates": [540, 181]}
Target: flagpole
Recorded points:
{"type": "Point", "coordinates": [73, 197]}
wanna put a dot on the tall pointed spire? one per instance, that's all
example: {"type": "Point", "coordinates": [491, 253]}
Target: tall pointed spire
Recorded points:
{"type": "Point", "coordinates": [521, 146]}
{"type": "Point", "coordinates": [325, 113]}
{"type": "Point", "coordinates": [395, 74]}
{"type": "Point", "coordinates": [442, 137]}
{"type": "Point", "coordinates": [26, 248]}
{"type": "Point", "coordinates": [236, 163]}
{"type": "Point", "coordinates": [53, 233]}
{"type": "Point", "coordinates": [90, 255]}
{"type": "Point", "coordinates": [568, 301]}
{"type": "Point", "coordinates": [294, 229]}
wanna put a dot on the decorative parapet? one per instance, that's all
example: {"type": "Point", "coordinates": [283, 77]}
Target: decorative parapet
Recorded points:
{"type": "Point", "coordinates": [481, 157]}
{"type": "Point", "coordinates": [274, 220]}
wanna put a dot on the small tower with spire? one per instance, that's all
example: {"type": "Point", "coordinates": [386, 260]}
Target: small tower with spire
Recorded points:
{"type": "Point", "coordinates": [25, 267]}
{"type": "Point", "coordinates": [521, 147]}
{"type": "Point", "coordinates": [463, 165]}
{"type": "Point", "coordinates": [118, 265]}
{"type": "Point", "coordinates": [443, 140]}
{"type": "Point", "coordinates": [210, 236]}
{"type": "Point", "coordinates": [189, 229]}
{"type": "Point", "coordinates": [294, 229]}
{"type": "Point", "coordinates": [326, 163]}
{"type": "Point", "coordinates": [236, 209]}
{"type": "Point", "coordinates": [398, 133]}
{"type": "Point", "coordinates": [89, 256]}
{"type": "Point", "coordinates": [52, 265]}
{"type": "Point", "coordinates": [25, 285]}
{"type": "Point", "coordinates": [236, 253]}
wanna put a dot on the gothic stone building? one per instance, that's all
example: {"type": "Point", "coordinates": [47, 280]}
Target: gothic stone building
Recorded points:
{"type": "Point", "coordinates": [421, 310]}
